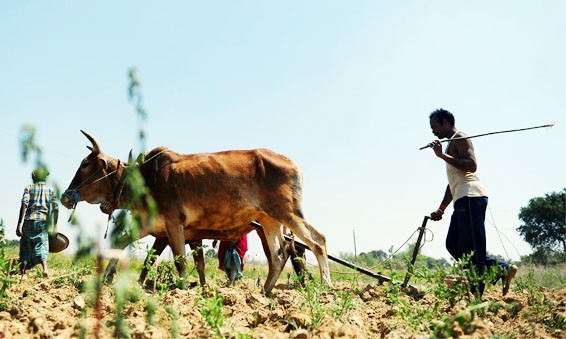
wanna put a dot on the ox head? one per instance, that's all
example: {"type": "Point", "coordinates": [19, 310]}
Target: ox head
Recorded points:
{"type": "Point", "coordinates": [95, 180]}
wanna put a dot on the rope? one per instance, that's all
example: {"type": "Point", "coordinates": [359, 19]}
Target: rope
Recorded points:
{"type": "Point", "coordinates": [155, 156]}
{"type": "Point", "coordinates": [499, 233]}
{"type": "Point", "coordinates": [84, 184]}
{"type": "Point", "coordinates": [425, 240]}
{"type": "Point", "coordinates": [406, 241]}
{"type": "Point", "coordinates": [74, 191]}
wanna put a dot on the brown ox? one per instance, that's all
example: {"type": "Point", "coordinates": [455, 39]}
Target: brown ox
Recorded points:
{"type": "Point", "coordinates": [205, 195]}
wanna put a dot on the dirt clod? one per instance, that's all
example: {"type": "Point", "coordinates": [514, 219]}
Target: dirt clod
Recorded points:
{"type": "Point", "coordinates": [62, 311]}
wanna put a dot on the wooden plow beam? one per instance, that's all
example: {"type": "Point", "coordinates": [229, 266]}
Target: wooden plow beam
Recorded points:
{"type": "Point", "coordinates": [378, 276]}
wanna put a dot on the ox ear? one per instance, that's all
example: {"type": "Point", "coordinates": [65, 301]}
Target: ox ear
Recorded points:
{"type": "Point", "coordinates": [94, 149]}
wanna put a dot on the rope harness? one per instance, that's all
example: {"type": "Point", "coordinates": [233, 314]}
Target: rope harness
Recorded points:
{"type": "Point", "coordinates": [73, 193]}
{"type": "Point", "coordinates": [110, 206]}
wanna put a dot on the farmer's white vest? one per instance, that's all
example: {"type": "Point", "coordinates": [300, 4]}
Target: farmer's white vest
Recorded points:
{"type": "Point", "coordinates": [462, 183]}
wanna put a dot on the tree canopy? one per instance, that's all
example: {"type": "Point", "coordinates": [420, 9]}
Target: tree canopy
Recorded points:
{"type": "Point", "coordinates": [544, 222]}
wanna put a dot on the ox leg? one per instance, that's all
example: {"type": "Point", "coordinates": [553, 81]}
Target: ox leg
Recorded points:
{"type": "Point", "coordinates": [277, 251]}
{"type": "Point", "coordinates": [266, 249]}
{"type": "Point", "coordinates": [298, 260]}
{"type": "Point", "coordinates": [158, 246]}
{"type": "Point", "coordinates": [198, 256]}
{"type": "Point", "coordinates": [264, 244]}
{"type": "Point", "coordinates": [176, 238]}
{"type": "Point", "coordinates": [110, 271]}
{"type": "Point", "coordinates": [111, 268]}
{"type": "Point", "coordinates": [297, 255]}
{"type": "Point", "coordinates": [316, 242]}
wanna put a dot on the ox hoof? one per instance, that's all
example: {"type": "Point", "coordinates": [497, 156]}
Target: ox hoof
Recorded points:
{"type": "Point", "coordinates": [183, 285]}
{"type": "Point", "coordinates": [265, 292]}
{"type": "Point", "coordinates": [108, 279]}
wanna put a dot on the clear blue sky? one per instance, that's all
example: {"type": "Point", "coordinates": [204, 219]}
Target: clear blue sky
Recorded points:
{"type": "Point", "coordinates": [342, 87]}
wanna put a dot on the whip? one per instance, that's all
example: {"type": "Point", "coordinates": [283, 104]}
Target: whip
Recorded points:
{"type": "Point", "coordinates": [481, 135]}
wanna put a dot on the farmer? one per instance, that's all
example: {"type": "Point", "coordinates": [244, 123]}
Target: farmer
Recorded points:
{"type": "Point", "coordinates": [231, 257]}
{"type": "Point", "coordinates": [38, 201]}
{"type": "Point", "coordinates": [466, 234]}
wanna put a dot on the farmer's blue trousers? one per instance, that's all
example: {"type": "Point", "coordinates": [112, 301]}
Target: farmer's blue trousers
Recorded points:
{"type": "Point", "coordinates": [466, 234]}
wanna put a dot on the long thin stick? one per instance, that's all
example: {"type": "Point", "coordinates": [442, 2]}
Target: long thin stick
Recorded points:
{"type": "Point", "coordinates": [481, 135]}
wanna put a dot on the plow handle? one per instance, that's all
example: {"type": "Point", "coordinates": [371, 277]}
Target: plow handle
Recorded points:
{"type": "Point", "coordinates": [422, 230]}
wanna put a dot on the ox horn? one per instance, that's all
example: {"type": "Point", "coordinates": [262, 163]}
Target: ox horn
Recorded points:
{"type": "Point", "coordinates": [94, 148]}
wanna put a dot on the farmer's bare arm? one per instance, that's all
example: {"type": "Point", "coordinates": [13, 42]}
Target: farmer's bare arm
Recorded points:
{"type": "Point", "coordinates": [55, 215]}
{"type": "Point", "coordinates": [23, 209]}
{"type": "Point", "coordinates": [437, 215]}
{"type": "Point", "coordinates": [460, 155]}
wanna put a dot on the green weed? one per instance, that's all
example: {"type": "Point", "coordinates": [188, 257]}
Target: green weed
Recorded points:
{"type": "Point", "coordinates": [343, 303]}
{"type": "Point", "coordinates": [313, 289]}
{"type": "Point", "coordinates": [542, 306]}
{"type": "Point", "coordinates": [151, 308]}
{"type": "Point", "coordinates": [211, 308]}
{"type": "Point", "coordinates": [7, 280]}
{"type": "Point", "coordinates": [126, 290]}
{"type": "Point", "coordinates": [174, 314]}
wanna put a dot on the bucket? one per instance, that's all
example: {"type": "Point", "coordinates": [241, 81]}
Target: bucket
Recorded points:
{"type": "Point", "coordinates": [57, 242]}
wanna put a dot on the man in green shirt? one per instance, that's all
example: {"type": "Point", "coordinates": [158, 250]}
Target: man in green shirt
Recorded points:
{"type": "Point", "coordinates": [38, 201]}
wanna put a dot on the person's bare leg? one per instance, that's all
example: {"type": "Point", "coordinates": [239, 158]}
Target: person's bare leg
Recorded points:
{"type": "Point", "coordinates": [507, 279]}
{"type": "Point", "coordinates": [45, 271]}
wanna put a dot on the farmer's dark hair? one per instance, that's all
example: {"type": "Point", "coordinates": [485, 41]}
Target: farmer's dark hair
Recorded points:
{"type": "Point", "coordinates": [441, 114]}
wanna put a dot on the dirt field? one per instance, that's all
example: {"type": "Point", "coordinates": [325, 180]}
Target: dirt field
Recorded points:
{"type": "Point", "coordinates": [44, 308]}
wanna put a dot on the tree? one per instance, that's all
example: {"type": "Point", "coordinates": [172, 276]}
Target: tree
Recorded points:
{"type": "Point", "coordinates": [544, 222]}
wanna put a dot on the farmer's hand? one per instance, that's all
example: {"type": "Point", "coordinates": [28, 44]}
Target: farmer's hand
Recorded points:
{"type": "Point", "coordinates": [436, 147]}
{"type": "Point", "coordinates": [19, 231]}
{"type": "Point", "coordinates": [436, 215]}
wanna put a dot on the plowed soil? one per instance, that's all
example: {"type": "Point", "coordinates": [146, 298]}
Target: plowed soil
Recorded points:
{"type": "Point", "coordinates": [42, 308]}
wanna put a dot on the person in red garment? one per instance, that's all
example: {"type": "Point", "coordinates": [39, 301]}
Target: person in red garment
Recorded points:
{"type": "Point", "coordinates": [231, 257]}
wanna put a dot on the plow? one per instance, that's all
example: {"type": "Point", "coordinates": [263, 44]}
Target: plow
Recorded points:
{"type": "Point", "coordinates": [380, 277]}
